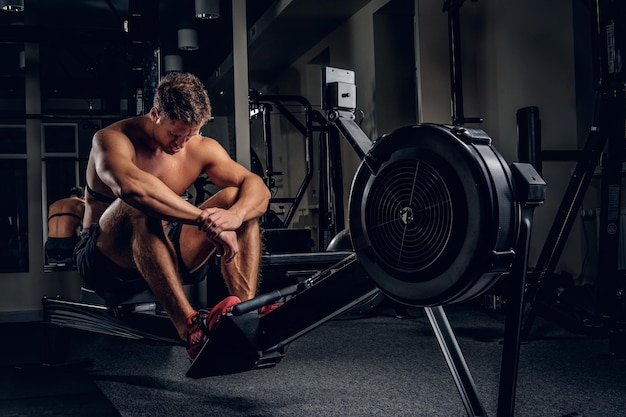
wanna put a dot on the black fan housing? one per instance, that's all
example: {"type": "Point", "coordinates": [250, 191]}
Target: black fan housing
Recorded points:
{"type": "Point", "coordinates": [432, 217]}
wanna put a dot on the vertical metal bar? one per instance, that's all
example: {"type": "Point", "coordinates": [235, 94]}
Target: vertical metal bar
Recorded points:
{"type": "Point", "coordinates": [336, 184]}
{"type": "Point", "coordinates": [323, 190]}
{"type": "Point", "coordinates": [513, 323]}
{"type": "Point", "coordinates": [267, 140]}
{"type": "Point", "coordinates": [455, 361]}
{"type": "Point", "coordinates": [34, 221]}
{"type": "Point", "coordinates": [530, 193]}
{"type": "Point", "coordinates": [529, 137]}
{"type": "Point", "coordinates": [240, 70]}
{"type": "Point", "coordinates": [456, 75]}
{"type": "Point", "coordinates": [268, 175]}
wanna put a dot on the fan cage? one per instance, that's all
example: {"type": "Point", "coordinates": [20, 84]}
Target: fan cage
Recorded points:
{"type": "Point", "coordinates": [410, 214]}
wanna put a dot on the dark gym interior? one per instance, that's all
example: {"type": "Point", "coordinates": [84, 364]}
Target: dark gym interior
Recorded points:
{"type": "Point", "coordinates": [445, 234]}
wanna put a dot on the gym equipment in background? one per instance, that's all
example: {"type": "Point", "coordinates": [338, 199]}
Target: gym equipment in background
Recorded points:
{"type": "Point", "coordinates": [307, 122]}
{"type": "Point", "coordinates": [605, 148]}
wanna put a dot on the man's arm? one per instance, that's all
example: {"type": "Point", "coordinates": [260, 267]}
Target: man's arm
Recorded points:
{"type": "Point", "coordinates": [252, 200]}
{"type": "Point", "coordinates": [114, 158]}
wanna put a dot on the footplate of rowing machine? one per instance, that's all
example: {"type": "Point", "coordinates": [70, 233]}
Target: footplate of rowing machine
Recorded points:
{"type": "Point", "coordinates": [233, 348]}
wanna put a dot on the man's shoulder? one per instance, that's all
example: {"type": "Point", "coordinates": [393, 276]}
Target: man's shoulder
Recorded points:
{"type": "Point", "coordinates": [64, 204]}
{"type": "Point", "coordinates": [201, 144]}
{"type": "Point", "coordinates": [118, 137]}
{"type": "Point", "coordinates": [125, 127]}
{"type": "Point", "coordinates": [204, 139]}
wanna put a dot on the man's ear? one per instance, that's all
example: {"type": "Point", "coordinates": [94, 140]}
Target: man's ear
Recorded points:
{"type": "Point", "coordinates": [154, 114]}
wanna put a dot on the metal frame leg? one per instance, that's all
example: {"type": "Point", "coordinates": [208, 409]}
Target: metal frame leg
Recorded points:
{"type": "Point", "coordinates": [455, 360]}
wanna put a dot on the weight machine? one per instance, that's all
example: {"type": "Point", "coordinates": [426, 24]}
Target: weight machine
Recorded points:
{"type": "Point", "coordinates": [330, 184]}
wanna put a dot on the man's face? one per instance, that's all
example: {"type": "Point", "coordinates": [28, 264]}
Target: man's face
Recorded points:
{"type": "Point", "coordinates": [172, 135]}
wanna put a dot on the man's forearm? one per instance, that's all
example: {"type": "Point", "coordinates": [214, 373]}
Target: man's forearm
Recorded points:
{"type": "Point", "coordinates": [253, 199]}
{"type": "Point", "coordinates": [154, 198]}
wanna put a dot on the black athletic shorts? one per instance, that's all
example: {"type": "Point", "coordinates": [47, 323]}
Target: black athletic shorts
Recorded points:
{"type": "Point", "coordinates": [61, 247]}
{"type": "Point", "coordinates": [101, 274]}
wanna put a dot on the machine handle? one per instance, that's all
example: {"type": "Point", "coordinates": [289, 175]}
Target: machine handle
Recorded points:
{"type": "Point", "coordinates": [262, 300]}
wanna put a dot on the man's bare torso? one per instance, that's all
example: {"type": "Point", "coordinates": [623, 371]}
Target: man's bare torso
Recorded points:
{"type": "Point", "coordinates": [177, 171]}
{"type": "Point", "coordinates": [65, 217]}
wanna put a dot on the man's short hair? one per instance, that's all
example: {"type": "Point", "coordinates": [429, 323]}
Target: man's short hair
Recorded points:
{"type": "Point", "coordinates": [181, 96]}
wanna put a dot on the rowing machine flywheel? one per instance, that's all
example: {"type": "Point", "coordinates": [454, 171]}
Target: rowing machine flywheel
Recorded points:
{"type": "Point", "coordinates": [432, 215]}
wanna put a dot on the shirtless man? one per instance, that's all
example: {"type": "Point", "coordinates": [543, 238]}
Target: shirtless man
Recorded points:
{"type": "Point", "coordinates": [65, 220]}
{"type": "Point", "coordinates": [140, 233]}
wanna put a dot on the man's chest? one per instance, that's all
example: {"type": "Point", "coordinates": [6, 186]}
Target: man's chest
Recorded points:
{"type": "Point", "coordinates": [177, 173]}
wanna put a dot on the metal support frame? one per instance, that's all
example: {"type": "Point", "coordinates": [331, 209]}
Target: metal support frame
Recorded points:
{"type": "Point", "coordinates": [452, 7]}
{"type": "Point", "coordinates": [455, 361]}
{"type": "Point", "coordinates": [330, 202]}
{"type": "Point", "coordinates": [530, 192]}
{"type": "Point", "coordinates": [344, 121]}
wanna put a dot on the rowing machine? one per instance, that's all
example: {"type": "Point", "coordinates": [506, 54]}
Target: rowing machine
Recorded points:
{"type": "Point", "coordinates": [436, 218]}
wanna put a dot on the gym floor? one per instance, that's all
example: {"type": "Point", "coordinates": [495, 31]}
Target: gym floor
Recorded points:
{"type": "Point", "coordinates": [374, 365]}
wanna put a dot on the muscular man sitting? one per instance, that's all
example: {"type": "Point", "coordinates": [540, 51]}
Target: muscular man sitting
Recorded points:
{"type": "Point", "coordinates": [140, 233]}
{"type": "Point", "coordinates": [65, 220]}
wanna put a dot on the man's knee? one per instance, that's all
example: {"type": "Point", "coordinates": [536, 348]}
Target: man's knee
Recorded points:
{"type": "Point", "coordinates": [224, 198]}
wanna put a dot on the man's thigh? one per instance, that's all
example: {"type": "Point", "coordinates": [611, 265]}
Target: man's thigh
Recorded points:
{"type": "Point", "coordinates": [100, 273]}
{"type": "Point", "coordinates": [117, 226]}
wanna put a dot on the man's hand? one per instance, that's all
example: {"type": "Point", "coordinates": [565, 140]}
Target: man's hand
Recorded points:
{"type": "Point", "coordinates": [214, 221]}
{"type": "Point", "coordinates": [219, 226]}
{"type": "Point", "coordinates": [226, 244]}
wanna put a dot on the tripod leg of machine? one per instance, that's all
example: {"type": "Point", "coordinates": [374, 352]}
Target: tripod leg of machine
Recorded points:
{"type": "Point", "coordinates": [513, 324]}
{"type": "Point", "coordinates": [530, 190]}
{"type": "Point", "coordinates": [455, 361]}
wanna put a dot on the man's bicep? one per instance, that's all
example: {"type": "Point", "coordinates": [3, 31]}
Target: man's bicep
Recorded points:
{"type": "Point", "coordinates": [220, 167]}
{"type": "Point", "coordinates": [226, 173]}
{"type": "Point", "coordinates": [113, 163]}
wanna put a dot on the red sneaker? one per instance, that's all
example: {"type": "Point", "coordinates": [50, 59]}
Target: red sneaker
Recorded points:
{"type": "Point", "coordinates": [268, 308]}
{"type": "Point", "coordinates": [219, 309]}
{"type": "Point", "coordinates": [200, 324]}
{"type": "Point", "coordinates": [197, 332]}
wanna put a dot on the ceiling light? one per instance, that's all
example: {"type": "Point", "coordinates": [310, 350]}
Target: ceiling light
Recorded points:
{"type": "Point", "coordinates": [208, 9]}
{"type": "Point", "coordinates": [12, 5]}
{"type": "Point", "coordinates": [172, 63]}
{"type": "Point", "coordinates": [187, 39]}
